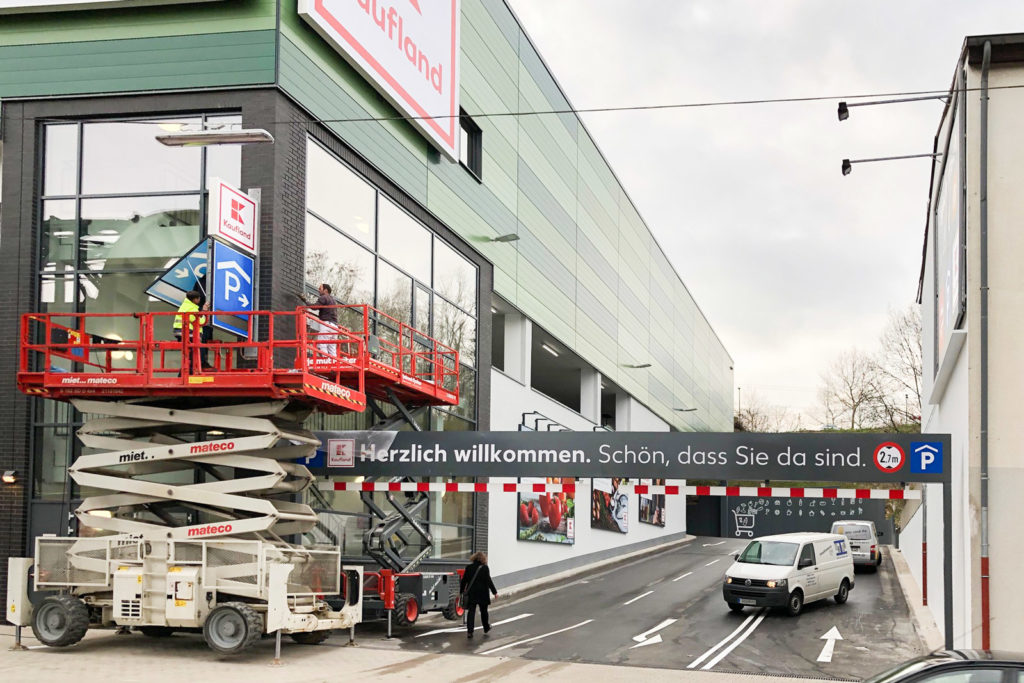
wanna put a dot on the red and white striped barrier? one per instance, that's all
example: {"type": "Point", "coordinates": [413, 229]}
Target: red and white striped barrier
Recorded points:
{"type": "Point", "coordinates": [751, 491]}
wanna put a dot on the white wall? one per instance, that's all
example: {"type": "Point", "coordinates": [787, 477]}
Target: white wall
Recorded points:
{"type": "Point", "coordinates": [506, 554]}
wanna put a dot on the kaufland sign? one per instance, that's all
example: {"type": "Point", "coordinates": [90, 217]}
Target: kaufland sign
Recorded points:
{"type": "Point", "coordinates": [16, 6]}
{"type": "Point", "coordinates": [232, 216]}
{"type": "Point", "coordinates": [408, 48]}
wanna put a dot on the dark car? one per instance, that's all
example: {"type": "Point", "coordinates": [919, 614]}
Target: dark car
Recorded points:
{"type": "Point", "coordinates": [958, 666]}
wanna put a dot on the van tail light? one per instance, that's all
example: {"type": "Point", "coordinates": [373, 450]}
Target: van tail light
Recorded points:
{"type": "Point", "coordinates": [872, 551]}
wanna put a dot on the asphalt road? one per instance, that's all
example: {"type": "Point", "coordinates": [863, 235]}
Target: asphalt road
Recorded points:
{"type": "Point", "coordinates": [667, 611]}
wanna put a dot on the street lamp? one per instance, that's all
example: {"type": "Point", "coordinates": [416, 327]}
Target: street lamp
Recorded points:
{"type": "Point", "coordinates": [844, 107]}
{"type": "Point", "coordinates": [510, 237]}
{"type": "Point", "coordinates": [215, 136]}
{"type": "Point", "coordinates": [685, 410]}
{"type": "Point", "coordinates": [848, 163]}
{"type": "Point", "coordinates": [636, 366]}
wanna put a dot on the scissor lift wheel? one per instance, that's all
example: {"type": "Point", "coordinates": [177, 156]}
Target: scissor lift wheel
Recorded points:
{"type": "Point", "coordinates": [232, 627]}
{"type": "Point", "coordinates": [60, 620]}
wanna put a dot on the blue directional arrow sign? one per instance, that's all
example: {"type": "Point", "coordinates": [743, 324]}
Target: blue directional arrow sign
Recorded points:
{"type": "Point", "coordinates": [232, 288]}
{"type": "Point", "coordinates": [188, 272]}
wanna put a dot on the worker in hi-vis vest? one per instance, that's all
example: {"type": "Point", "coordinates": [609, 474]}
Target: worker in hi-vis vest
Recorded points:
{"type": "Point", "coordinates": [191, 304]}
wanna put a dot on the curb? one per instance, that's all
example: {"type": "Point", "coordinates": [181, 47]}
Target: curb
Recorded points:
{"type": "Point", "coordinates": [520, 589]}
{"type": "Point", "coordinates": [924, 622]}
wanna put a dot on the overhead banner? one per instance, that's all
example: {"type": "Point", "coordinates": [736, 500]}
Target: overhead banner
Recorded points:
{"type": "Point", "coordinates": [408, 49]}
{"type": "Point", "coordinates": [884, 458]}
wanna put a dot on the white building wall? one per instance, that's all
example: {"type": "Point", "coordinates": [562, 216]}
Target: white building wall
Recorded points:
{"type": "Point", "coordinates": [506, 554]}
{"type": "Point", "coordinates": [956, 408]}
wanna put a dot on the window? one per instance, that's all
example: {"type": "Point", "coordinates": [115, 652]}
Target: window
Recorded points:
{"type": "Point", "coordinates": [117, 208]}
{"type": "Point", "coordinates": [403, 241]}
{"type": "Point", "coordinates": [454, 277]}
{"type": "Point", "coordinates": [471, 145]}
{"type": "Point", "coordinates": [370, 250]}
{"type": "Point", "coordinates": [338, 196]}
{"type": "Point", "coordinates": [807, 555]}
{"type": "Point", "coordinates": [341, 262]}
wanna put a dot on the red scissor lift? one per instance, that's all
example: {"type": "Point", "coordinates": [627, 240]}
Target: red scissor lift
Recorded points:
{"type": "Point", "coordinates": [292, 359]}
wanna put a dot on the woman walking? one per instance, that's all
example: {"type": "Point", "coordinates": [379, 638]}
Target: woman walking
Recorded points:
{"type": "Point", "coordinates": [476, 588]}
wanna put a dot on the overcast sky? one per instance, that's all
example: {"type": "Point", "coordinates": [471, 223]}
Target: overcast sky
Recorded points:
{"type": "Point", "coordinates": [791, 262]}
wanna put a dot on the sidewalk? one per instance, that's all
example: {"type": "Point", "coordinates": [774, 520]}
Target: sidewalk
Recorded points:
{"type": "Point", "coordinates": [924, 622]}
{"type": "Point", "coordinates": [103, 656]}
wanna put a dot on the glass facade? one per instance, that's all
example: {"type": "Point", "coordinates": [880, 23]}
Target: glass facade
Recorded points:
{"type": "Point", "coordinates": [370, 251]}
{"type": "Point", "coordinates": [117, 208]}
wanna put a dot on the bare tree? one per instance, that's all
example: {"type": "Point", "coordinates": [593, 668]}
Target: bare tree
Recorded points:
{"type": "Point", "coordinates": [899, 364]}
{"type": "Point", "coordinates": [851, 389]}
{"type": "Point", "coordinates": [757, 416]}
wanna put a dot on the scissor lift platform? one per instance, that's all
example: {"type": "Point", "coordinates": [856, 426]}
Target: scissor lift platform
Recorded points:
{"type": "Point", "coordinates": [110, 356]}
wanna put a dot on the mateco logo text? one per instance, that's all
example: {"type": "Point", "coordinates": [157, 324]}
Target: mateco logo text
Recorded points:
{"type": "Point", "coordinates": [336, 390]}
{"type": "Point", "coordinates": [212, 529]}
{"type": "Point", "coordinates": [214, 447]}
{"type": "Point", "coordinates": [88, 380]}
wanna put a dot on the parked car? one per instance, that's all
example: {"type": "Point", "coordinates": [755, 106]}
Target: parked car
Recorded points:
{"type": "Point", "coordinates": [863, 542]}
{"type": "Point", "coordinates": [957, 666]}
{"type": "Point", "coordinates": [787, 570]}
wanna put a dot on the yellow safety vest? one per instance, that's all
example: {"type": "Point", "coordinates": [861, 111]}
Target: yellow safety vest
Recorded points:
{"type": "Point", "coordinates": [187, 306]}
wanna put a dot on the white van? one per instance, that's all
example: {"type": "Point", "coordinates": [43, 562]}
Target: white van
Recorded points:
{"type": "Point", "coordinates": [863, 542]}
{"type": "Point", "coordinates": [788, 570]}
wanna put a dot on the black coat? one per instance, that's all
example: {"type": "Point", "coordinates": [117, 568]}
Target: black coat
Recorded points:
{"type": "Point", "coordinates": [482, 586]}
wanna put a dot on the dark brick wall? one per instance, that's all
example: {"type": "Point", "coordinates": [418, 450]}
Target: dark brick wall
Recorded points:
{"type": "Point", "coordinates": [17, 236]}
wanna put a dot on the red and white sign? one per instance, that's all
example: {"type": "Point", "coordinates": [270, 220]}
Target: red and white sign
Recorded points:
{"type": "Point", "coordinates": [233, 216]}
{"type": "Point", "coordinates": [408, 48]}
{"type": "Point", "coordinates": [15, 6]}
{"type": "Point", "coordinates": [341, 452]}
{"type": "Point", "coordinates": [889, 457]}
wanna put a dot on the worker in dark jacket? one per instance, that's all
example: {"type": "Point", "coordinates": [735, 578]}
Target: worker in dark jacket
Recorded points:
{"type": "Point", "coordinates": [476, 588]}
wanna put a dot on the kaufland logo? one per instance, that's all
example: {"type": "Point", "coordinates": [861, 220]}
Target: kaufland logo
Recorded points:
{"type": "Point", "coordinates": [391, 21]}
{"type": "Point", "coordinates": [409, 51]}
{"type": "Point", "coordinates": [232, 215]}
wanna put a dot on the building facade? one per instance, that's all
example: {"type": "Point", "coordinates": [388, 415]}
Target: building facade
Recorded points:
{"type": "Point", "coordinates": [507, 237]}
{"type": "Point", "coordinates": [970, 294]}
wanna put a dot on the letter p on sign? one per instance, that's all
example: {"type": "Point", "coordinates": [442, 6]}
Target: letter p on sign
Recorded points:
{"type": "Point", "coordinates": [926, 457]}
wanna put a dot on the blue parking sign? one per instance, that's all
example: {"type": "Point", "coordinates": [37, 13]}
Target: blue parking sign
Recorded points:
{"type": "Point", "coordinates": [232, 288]}
{"type": "Point", "coordinates": [926, 457]}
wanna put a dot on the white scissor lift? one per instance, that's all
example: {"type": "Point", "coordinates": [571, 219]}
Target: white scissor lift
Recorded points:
{"type": "Point", "coordinates": [233, 575]}
{"type": "Point", "coordinates": [192, 467]}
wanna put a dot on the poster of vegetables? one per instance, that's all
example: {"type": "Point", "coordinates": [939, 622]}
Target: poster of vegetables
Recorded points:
{"type": "Point", "coordinates": [547, 517]}
{"type": "Point", "coordinates": [609, 505]}
{"type": "Point", "coordinates": [652, 505]}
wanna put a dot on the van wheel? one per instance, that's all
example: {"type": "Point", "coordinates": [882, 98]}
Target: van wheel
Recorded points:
{"type": "Point", "coordinates": [844, 592]}
{"type": "Point", "coordinates": [735, 608]}
{"type": "Point", "coordinates": [795, 603]}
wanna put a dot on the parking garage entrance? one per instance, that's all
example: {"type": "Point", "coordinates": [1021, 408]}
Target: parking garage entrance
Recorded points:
{"type": "Point", "coordinates": [803, 467]}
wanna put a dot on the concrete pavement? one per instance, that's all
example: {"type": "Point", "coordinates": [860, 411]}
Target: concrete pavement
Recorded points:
{"type": "Point", "coordinates": [103, 656]}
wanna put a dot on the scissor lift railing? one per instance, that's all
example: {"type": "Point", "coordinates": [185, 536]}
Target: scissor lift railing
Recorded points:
{"type": "Point", "coordinates": [290, 355]}
{"type": "Point", "coordinates": [399, 357]}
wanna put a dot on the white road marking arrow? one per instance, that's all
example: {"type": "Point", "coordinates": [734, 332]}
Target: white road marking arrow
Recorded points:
{"type": "Point", "coordinates": [710, 545]}
{"type": "Point", "coordinates": [830, 639]}
{"type": "Point", "coordinates": [643, 640]}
